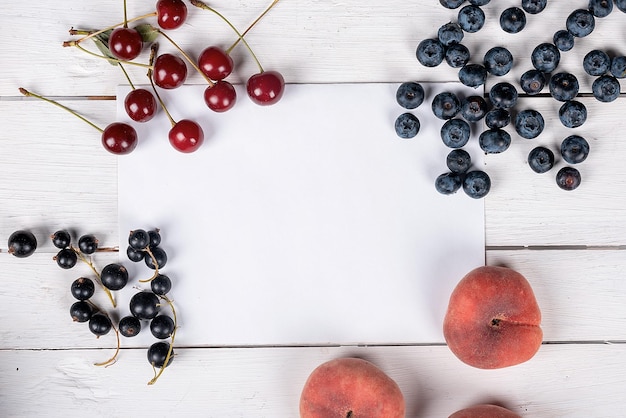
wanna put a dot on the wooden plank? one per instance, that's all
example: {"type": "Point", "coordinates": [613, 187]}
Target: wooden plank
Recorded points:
{"type": "Point", "coordinates": [581, 295]}
{"type": "Point", "coordinates": [560, 381]}
{"type": "Point", "coordinates": [308, 41]}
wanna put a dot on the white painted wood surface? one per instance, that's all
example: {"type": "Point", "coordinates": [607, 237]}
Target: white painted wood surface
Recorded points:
{"type": "Point", "coordinates": [56, 175]}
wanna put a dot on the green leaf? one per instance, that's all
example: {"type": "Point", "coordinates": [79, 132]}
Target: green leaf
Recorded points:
{"type": "Point", "coordinates": [148, 32]}
{"type": "Point", "coordinates": [102, 42]}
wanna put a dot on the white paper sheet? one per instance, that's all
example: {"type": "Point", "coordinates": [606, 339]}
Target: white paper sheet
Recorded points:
{"type": "Point", "coordinates": [306, 222]}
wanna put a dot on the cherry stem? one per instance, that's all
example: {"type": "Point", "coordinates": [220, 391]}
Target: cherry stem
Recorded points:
{"type": "Point", "coordinates": [187, 57]}
{"type": "Point", "coordinates": [153, 51]}
{"type": "Point", "coordinates": [111, 59]}
{"type": "Point", "coordinates": [171, 348]}
{"type": "Point", "coordinates": [92, 34]}
{"type": "Point", "coordinates": [125, 16]}
{"type": "Point", "coordinates": [113, 359]}
{"type": "Point", "coordinates": [88, 261]}
{"type": "Point", "coordinates": [132, 86]}
{"type": "Point", "coordinates": [156, 266]}
{"type": "Point", "coordinates": [45, 99]}
{"type": "Point", "coordinates": [253, 24]}
{"type": "Point", "coordinates": [205, 6]}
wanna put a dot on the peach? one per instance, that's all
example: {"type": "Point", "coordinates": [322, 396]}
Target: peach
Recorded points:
{"type": "Point", "coordinates": [493, 319]}
{"type": "Point", "coordinates": [484, 411]}
{"type": "Point", "coordinates": [350, 387]}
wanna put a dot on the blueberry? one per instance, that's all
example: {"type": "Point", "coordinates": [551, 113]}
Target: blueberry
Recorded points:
{"type": "Point", "coordinates": [473, 75]}
{"type": "Point", "coordinates": [572, 114]}
{"type": "Point", "coordinates": [479, 2]}
{"type": "Point", "coordinates": [568, 178]}
{"type": "Point", "coordinates": [529, 123]}
{"type": "Point", "coordinates": [497, 118]}
{"type": "Point", "coordinates": [563, 40]}
{"type": "Point", "coordinates": [532, 81]}
{"type": "Point", "coordinates": [471, 18]}
{"type": "Point", "coordinates": [446, 105]}
{"type": "Point", "coordinates": [407, 125]}
{"type": "Point", "coordinates": [451, 4]}
{"type": "Point", "coordinates": [474, 108]}
{"type": "Point", "coordinates": [512, 20]}
{"type": "Point", "coordinates": [563, 86]}
{"type": "Point", "coordinates": [540, 159]}
{"type": "Point", "coordinates": [601, 8]}
{"type": "Point", "coordinates": [605, 88]}
{"type": "Point", "coordinates": [458, 161]}
{"type": "Point", "coordinates": [545, 57]}
{"type": "Point", "coordinates": [503, 95]}
{"type": "Point", "coordinates": [620, 4]}
{"type": "Point", "coordinates": [448, 183]}
{"type": "Point", "coordinates": [596, 62]}
{"type": "Point", "coordinates": [534, 6]}
{"type": "Point", "coordinates": [618, 66]}
{"type": "Point", "coordinates": [574, 149]}
{"type": "Point", "coordinates": [430, 52]}
{"type": "Point", "coordinates": [410, 95]}
{"type": "Point", "coordinates": [498, 61]}
{"type": "Point", "coordinates": [580, 23]}
{"type": "Point", "coordinates": [457, 55]}
{"type": "Point", "coordinates": [455, 133]}
{"type": "Point", "coordinates": [450, 33]}
{"type": "Point", "coordinates": [476, 184]}
{"type": "Point", "coordinates": [494, 141]}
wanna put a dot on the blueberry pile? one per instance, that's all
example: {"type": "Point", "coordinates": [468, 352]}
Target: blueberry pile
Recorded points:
{"type": "Point", "coordinates": [499, 110]}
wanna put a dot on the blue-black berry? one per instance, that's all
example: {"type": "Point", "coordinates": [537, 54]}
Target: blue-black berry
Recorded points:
{"type": "Point", "coordinates": [473, 75]}
{"type": "Point", "coordinates": [574, 149]}
{"type": "Point", "coordinates": [596, 62]}
{"type": "Point", "coordinates": [448, 183]}
{"type": "Point", "coordinates": [457, 55]}
{"type": "Point", "coordinates": [474, 108]}
{"type": "Point", "coordinates": [407, 125]}
{"type": "Point", "coordinates": [497, 118]}
{"type": "Point", "coordinates": [494, 141]}
{"type": "Point", "coordinates": [573, 114]}
{"type": "Point", "coordinates": [498, 61]}
{"type": "Point", "coordinates": [533, 81]}
{"type": "Point", "coordinates": [88, 244]}
{"type": "Point", "coordinates": [476, 184]}
{"type": "Point", "coordinates": [409, 95]}
{"type": "Point", "coordinates": [605, 88]}
{"type": "Point", "coordinates": [601, 8]}
{"type": "Point", "coordinates": [545, 57]}
{"type": "Point", "coordinates": [82, 288]}
{"type": "Point", "coordinates": [129, 326]}
{"type": "Point", "coordinates": [446, 105]}
{"type": "Point", "coordinates": [458, 161]}
{"type": "Point", "coordinates": [455, 133]}
{"type": "Point", "coordinates": [471, 18]}
{"type": "Point", "coordinates": [503, 95]}
{"type": "Point", "coordinates": [618, 66]}
{"type": "Point", "coordinates": [541, 159]}
{"type": "Point", "coordinates": [513, 20]}
{"type": "Point", "coordinates": [529, 123]}
{"type": "Point", "coordinates": [430, 52]}
{"type": "Point", "coordinates": [450, 33]}
{"type": "Point", "coordinates": [563, 86]}
{"type": "Point", "coordinates": [563, 40]}
{"type": "Point", "coordinates": [534, 6]}
{"type": "Point", "coordinates": [568, 178]}
{"type": "Point", "coordinates": [22, 243]}
{"type": "Point", "coordinates": [580, 23]}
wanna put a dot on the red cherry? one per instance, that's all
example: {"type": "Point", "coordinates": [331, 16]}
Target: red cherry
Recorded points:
{"type": "Point", "coordinates": [125, 43]}
{"type": "Point", "coordinates": [171, 14]}
{"type": "Point", "coordinates": [119, 138]}
{"type": "Point", "coordinates": [221, 96]}
{"type": "Point", "coordinates": [140, 105]}
{"type": "Point", "coordinates": [215, 63]}
{"type": "Point", "coordinates": [266, 88]}
{"type": "Point", "coordinates": [186, 136]}
{"type": "Point", "coordinates": [170, 71]}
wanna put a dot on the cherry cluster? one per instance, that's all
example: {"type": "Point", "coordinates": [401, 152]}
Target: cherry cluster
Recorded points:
{"type": "Point", "coordinates": [145, 305]}
{"type": "Point", "coordinates": [121, 45]}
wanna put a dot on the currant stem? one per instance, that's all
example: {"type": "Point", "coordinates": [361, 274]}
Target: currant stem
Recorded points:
{"type": "Point", "coordinates": [171, 348]}
{"type": "Point", "coordinates": [205, 6]}
{"type": "Point", "coordinates": [111, 59]}
{"type": "Point", "coordinates": [45, 99]}
{"type": "Point", "coordinates": [92, 34]}
{"type": "Point", "coordinates": [156, 266]}
{"type": "Point", "coordinates": [187, 57]}
{"type": "Point", "coordinates": [87, 261]}
{"type": "Point", "coordinates": [113, 359]}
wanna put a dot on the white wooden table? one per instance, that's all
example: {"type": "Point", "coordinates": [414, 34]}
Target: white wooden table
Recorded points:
{"type": "Point", "coordinates": [55, 174]}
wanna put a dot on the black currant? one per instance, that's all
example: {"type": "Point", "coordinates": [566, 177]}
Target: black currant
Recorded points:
{"type": "Point", "coordinates": [134, 255]}
{"type": "Point", "coordinates": [155, 237]}
{"type": "Point", "coordinates": [144, 305]}
{"type": "Point", "coordinates": [161, 284]}
{"type": "Point", "coordinates": [138, 239]}
{"type": "Point", "coordinates": [114, 276]}
{"type": "Point", "coordinates": [157, 354]}
{"type": "Point", "coordinates": [22, 244]}
{"type": "Point", "coordinates": [99, 324]}
{"type": "Point", "coordinates": [87, 244]}
{"type": "Point", "coordinates": [81, 311]}
{"type": "Point", "coordinates": [83, 288]}
{"type": "Point", "coordinates": [61, 239]}
{"type": "Point", "coordinates": [159, 255]}
{"type": "Point", "coordinates": [162, 326]}
{"type": "Point", "coordinates": [66, 258]}
{"type": "Point", "coordinates": [129, 326]}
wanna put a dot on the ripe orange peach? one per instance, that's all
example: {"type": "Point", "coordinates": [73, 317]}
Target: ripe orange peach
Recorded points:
{"type": "Point", "coordinates": [484, 411]}
{"type": "Point", "coordinates": [493, 319]}
{"type": "Point", "coordinates": [350, 387]}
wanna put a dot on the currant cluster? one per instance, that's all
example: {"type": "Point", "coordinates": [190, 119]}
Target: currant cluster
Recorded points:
{"type": "Point", "coordinates": [145, 305]}
{"type": "Point", "coordinates": [497, 112]}
{"type": "Point", "coordinates": [121, 45]}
